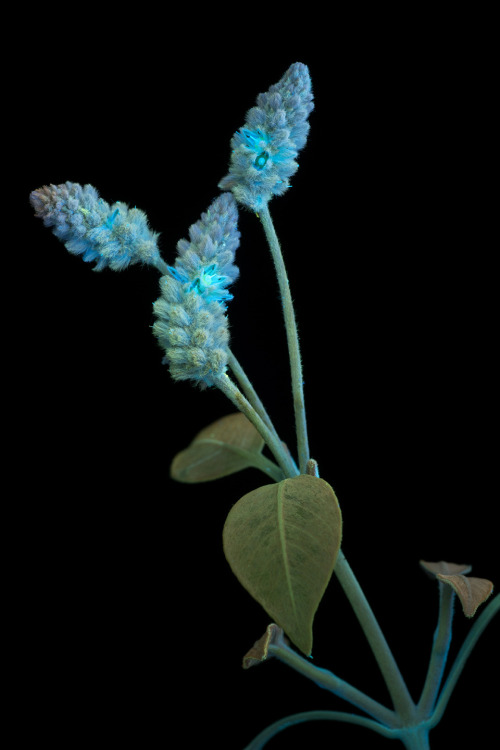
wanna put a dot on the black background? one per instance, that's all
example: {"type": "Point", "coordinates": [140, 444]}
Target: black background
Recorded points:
{"type": "Point", "coordinates": [131, 627]}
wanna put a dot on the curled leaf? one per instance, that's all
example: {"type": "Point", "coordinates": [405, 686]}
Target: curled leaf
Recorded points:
{"type": "Point", "coordinates": [282, 541]}
{"type": "Point", "coordinates": [471, 591]}
{"type": "Point", "coordinates": [445, 568]}
{"type": "Point", "coordinates": [224, 447]}
{"type": "Point", "coordinates": [259, 651]}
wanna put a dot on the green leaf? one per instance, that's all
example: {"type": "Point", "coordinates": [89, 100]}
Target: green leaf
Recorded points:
{"type": "Point", "coordinates": [228, 445]}
{"type": "Point", "coordinates": [282, 541]}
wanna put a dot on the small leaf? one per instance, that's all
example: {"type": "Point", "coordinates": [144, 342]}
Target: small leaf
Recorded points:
{"type": "Point", "coordinates": [282, 541]}
{"type": "Point", "coordinates": [259, 651]}
{"type": "Point", "coordinates": [224, 447]}
{"type": "Point", "coordinates": [471, 591]}
{"type": "Point", "coordinates": [446, 568]}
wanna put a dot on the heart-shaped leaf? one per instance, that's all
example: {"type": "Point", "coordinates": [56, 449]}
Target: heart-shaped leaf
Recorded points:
{"type": "Point", "coordinates": [228, 445]}
{"type": "Point", "coordinates": [282, 541]}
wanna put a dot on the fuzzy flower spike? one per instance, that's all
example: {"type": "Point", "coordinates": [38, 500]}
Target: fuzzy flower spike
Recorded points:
{"type": "Point", "coordinates": [114, 236]}
{"type": "Point", "coordinates": [265, 148]}
{"type": "Point", "coordinates": [191, 324]}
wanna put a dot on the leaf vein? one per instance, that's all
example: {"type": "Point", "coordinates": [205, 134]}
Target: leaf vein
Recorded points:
{"type": "Point", "coordinates": [283, 542]}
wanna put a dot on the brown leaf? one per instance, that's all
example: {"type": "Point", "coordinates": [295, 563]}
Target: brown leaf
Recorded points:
{"type": "Point", "coordinates": [259, 651]}
{"type": "Point", "coordinates": [445, 568]}
{"type": "Point", "coordinates": [471, 591]}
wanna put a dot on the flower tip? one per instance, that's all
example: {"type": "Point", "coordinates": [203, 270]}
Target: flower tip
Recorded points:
{"type": "Point", "coordinates": [37, 201]}
{"type": "Point", "coordinates": [299, 66]}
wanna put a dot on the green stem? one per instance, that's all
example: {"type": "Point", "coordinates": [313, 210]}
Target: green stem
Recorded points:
{"type": "Point", "coordinates": [276, 447]}
{"type": "Point", "coordinates": [393, 678]}
{"type": "Point", "coordinates": [289, 721]}
{"type": "Point", "coordinates": [440, 648]}
{"type": "Point", "coordinates": [467, 646]}
{"type": "Point", "coordinates": [292, 339]}
{"type": "Point", "coordinates": [252, 396]}
{"type": "Point", "coordinates": [329, 681]}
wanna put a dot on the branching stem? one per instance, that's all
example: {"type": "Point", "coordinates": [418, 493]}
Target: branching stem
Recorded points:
{"type": "Point", "coordinates": [329, 681]}
{"type": "Point", "coordinates": [253, 398]}
{"type": "Point", "coordinates": [393, 678]}
{"type": "Point", "coordinates": [276, 447]}
{"type": "Point", "coordinates": [467, 646]}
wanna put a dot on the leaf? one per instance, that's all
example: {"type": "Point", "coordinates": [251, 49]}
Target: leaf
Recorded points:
{"type": "Point", "coordinates": [445, 568]}
{"type": "Point", "coordinates": [471, 591]}
{"type": "Point", "coordinates": [224, 447]}
{"type": "Point", "coordinates": [260, 649]}
{"type": "Point", "coordinates": [282, 541]}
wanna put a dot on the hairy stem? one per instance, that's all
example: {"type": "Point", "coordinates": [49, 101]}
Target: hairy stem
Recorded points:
{"type": "Point", "coordinates": [276, 447]}
{"type": "Point", "coordinates": [440, 648]}
{"type": "Point", "coordinates": [161, 266]}
{"type": "Point", "coordinates": [248, 389]}
{"type": "Point", "coordinates": [329, 681]}
{"type": "Point", "coordinates": [292, 339]}
{"type": "Point", "coordinates": [393, 678]}
{"type": "Point", "coordinates": [252, 396]}
{"type": "Point", "coordinates": [464, 653]}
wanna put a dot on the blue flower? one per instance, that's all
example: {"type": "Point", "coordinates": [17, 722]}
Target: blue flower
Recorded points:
{"type": "Point", "coordinates": [265, 148]}
{"type": "Point", "coordinates": [113, 236]}
{"type": "Point", "coordinates": [191, 324]}
{"type": "Point", "coordinates": [206, 260]}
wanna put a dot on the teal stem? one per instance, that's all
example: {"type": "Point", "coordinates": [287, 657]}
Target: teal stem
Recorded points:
{"type": "Point", "coordinates": [415, 738]}
{"type": "Point", "coordinates": [258, 461]}
{"type": "Point", "coordinates": [329, 681]}
{"type": "Point", "coordinates": [252, 397]}
{"type": "Point", "coordinates": [292, 339]}
{"type": "Point", "coordinates": [274, 444]}
{"type": "Point", "coordinates": [248, 389]}
{"type": "Point", "coordinates": [486, 616]}
{"type": "Point", "coordinates": [440, 648]}
{"type": "Point", "coordinates": [396, 685]}
{"type": "Point", "coordinates": [162, 267]}
{"type": "Point", "coordinates": [289, 721]}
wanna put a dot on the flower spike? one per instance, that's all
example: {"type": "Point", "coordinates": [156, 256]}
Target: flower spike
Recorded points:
{"type": "Point", "coordinates": [191, 324]}
{"type": "Point", "coordinates": [114, 236]}
{"type": "Point", "coordinates": [265, 148]}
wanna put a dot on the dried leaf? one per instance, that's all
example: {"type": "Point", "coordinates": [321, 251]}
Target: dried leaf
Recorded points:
{"type": "Point", "coordinates": [259, 651]}
{"type": "Point", "coordinates": [224, 447]}
{"type": "Point", "coordinates": [282, 541]}
{"type": "Point", "coordinates": [471, 591]}
{"type": "Point", "coordinates": [446, 568]}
